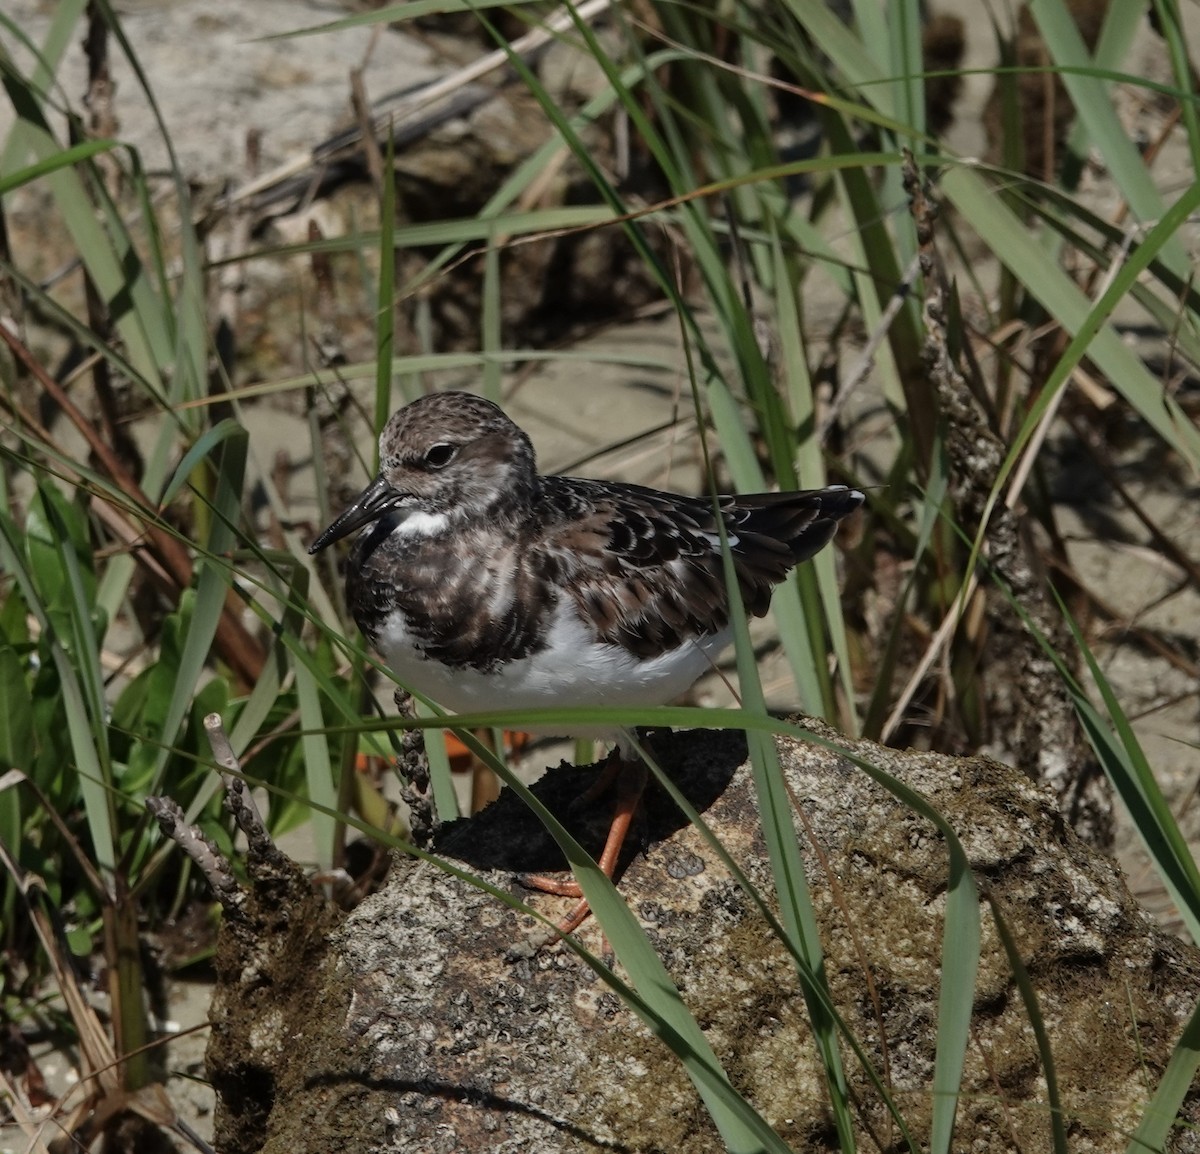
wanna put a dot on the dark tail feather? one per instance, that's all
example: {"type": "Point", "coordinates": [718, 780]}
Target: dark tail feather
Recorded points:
{"type": "Point", "coordinates": [805, 522]}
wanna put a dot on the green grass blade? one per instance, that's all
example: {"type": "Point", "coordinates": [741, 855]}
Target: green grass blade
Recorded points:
{"type": "Point", "coordinates": [1161, 1116]}
{"type": "Point", "coordinates": [92, 774]}
{"type": "Point", "coordinates": [441, 777]}
{"type": "Point", "coordinates": [490, 338]}
{"type": "Point", "coordinates": [201, 448]}
{"type": "Point", "coordinates": [847, 52]}
{"type": "Point", "coordinates": [211, 586]}
{"type": "Point", "coordinates": [1125, 765]}
{"type": "Point", "coordinates": [385, 305]}
{"type": "Point", "coordinates": [740, 1126]}
{"type": "Point", "coordinates": [51, 164]}
{"type": "Point", "coordinates": [1094, 107]}
{"type": "Point", "coordinates": [257, 707]}
{"type": "Point", "coordinates": [398, 13]}
{"type": "Point", "coordinates": [960, 965]}
{"type": "Point", "coordinates": [59, 37]}
{"type": "Point", "coordinates": [114, 268]}
{"type": "Point", "coordinates": [78, 647]}
{"type": "Point", "coordinates": [1021, 253]}
{"type": "Point", "coordinates": [318, 766]}
{"type": "Point", "coordinates": [797, 915]}
{"type": "Point", "coordinates": [807, 648]}
{"type": "Point", "coordinates": [18, 750]}
{"type": "Point", "coordinates": [16, 713]}
{"type": "Point", "coordinates": [186, 311]}
{"type": "Point", "coordinates": [1024, 985]}
{"type": "Point", "coordinates": [813, 983]}
{"type": "Point", "coordinates": [932, 500]}
{"type": "Point", "coordinates": [1171, 29]}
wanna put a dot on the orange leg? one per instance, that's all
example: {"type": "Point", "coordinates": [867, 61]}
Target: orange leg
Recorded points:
{"type": "Point", "coordinates": [630, 777]}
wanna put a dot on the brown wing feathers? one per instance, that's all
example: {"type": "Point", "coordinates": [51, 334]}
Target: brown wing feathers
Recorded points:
{"type": "Point", "coordinates": [660, 580]}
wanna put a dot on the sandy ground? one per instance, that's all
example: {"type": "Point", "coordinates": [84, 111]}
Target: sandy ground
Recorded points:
{"type": "Point", "coordinates": [216, 72]}
{"type": "Point", "coordinates": [217, 69]}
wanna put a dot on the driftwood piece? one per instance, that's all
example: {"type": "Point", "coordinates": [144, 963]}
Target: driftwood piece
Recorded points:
{"type": "Point", "coordinates": [406, 116]}
{"type": "Point", "coordinates": [420, 1024]}
{"type": "Point", "coordinates": [1030, 716]}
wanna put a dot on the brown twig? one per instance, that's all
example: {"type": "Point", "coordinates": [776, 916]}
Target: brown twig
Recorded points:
{"type": "Point", "coordinates": [231, 283]}
{"type": "Point", "coordinates": [1045, 733]}
{"type": "Point", "coordinates": [99, 1065]}
{"type": "Point", "coordinates": [240, 804]}
{"type": "Point", "coordinates": [99, 99]}
{"type": "Point", "coordinates": [238, 800]}
{"type": "Point", "coordinates": [11, 299]}
{"type": "Point", "coordinates": [233, 642]}
{"type": "Point", "coordinates": [200, 849]}
{"type": "Point", "coordinates": [102, 122]}
{"type": "Point", "coordinates": [370, 142]}
{"type": "Point", "coordinates": [417, 791]}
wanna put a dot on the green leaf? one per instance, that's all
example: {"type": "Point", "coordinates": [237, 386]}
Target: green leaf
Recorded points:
{"type": "Point", "coordinates": [150, 697]}
{"type": "Point", "coordinates": [17, 743]}
{"type": "Point", "coordinates": [55, 524]}
{"type": "Point", "coordinates": [1162, 1112]}
{"type": "Point", "coordinates": [212, 582]}
{"type": "Point", "coordinates": [50, 164]}
{"type": "Point", "coordinates": [80, 942]}
{"type": "Point", "coordinates": [50, 724]}
{"type": "Point", "coordinates": [318, 765]}
{"type": "Point", "coordinates": [202, 447]}
{"type": "Point", "coordinates": [14, 620]}
{"type": "Point", "coordinates": [1028, 260]}
{"type": "Point", "coordinates": [1025, 986]}
{"type": "Point", "coordinates": [17, 750]}
{"type": "Point", "coordinates": [797, 914]}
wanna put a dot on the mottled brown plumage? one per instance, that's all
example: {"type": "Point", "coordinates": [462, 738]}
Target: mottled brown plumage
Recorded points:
{"type": "Point", "coordinates": [643, 569]}
{"type": "Point", "coordinates": [487, 586]}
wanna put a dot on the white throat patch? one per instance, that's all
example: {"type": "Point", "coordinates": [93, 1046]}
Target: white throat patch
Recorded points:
{"type": "Point", "coordinates": [417, 523]}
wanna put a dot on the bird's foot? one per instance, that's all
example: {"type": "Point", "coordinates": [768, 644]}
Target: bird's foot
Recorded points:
{"type": "Point", "coordinates": [546, 884]}
{"type": "Point", "coordinates": [560, 887]}
{"type": "Point", "coordinates": [610, 772]}
{"type": "Point", "coordinates": [630, 777]}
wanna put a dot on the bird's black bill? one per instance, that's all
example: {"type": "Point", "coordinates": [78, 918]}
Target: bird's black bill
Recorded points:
{"type": "Point", "coordinates": [372, 503]}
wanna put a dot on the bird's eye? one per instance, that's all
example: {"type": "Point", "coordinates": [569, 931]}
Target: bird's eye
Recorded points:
{"type": "Point", "coordinates": [440, 455]}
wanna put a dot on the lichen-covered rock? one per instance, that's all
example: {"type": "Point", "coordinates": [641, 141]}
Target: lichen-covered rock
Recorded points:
{"type": "Point", "coordinates": [427, 1028]}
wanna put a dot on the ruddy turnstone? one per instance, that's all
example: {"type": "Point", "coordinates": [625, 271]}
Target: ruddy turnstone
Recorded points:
{"type": "Point", "coordinates": [487, 586]}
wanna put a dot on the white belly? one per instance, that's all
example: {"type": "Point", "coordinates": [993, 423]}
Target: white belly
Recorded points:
{"type": "Point", "coordinates": [572, 670]}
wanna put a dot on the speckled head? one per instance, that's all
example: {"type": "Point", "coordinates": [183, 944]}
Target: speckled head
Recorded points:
{"type": "Point", "coordinates": [443, 458]}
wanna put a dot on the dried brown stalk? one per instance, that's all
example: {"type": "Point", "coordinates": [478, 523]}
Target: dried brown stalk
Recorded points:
{"type": "Point", "coordinates": [1043, 731]}
{"type": "Point", "coordinates": [235, 645]}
